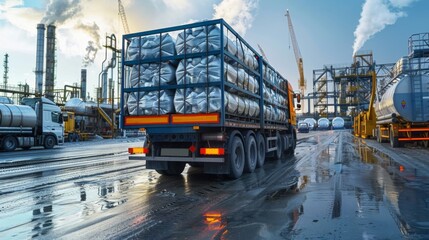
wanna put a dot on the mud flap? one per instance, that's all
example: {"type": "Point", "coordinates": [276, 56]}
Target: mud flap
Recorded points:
{"type": "Point", "coordinates": [157, 165]}
{"type": "Point", "coordinates": [216, 168]}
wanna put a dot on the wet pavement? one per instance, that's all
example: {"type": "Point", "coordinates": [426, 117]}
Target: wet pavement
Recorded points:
{"type": "Point", "coordinates": [334, 187]}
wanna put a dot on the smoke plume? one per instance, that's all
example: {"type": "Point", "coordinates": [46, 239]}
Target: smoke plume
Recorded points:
{"type": "Point", "coordinates": [238, 13]}
{"type": "Point", "coordinates": [375, 16]}
{"type": "Point", "coordinates": [94, 45]}
{"type": "Point", "coordinates": [59, 11]}
{"type": "Point", "coordinates": [91, 53]}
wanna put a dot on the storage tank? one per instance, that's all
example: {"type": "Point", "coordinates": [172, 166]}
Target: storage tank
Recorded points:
{"type": "Point", "coordinates": [338, 123]}
{"type": "Point", "coordinates": [408, 98]}
{"type": "Point", "coordinates": [311, 122]}
{"type": "Point", "coordinates": [17, 116]}
{"type": "Point", "coordinates": [88, 108]}
{"type": "Point", "coordinates": [323, 123]}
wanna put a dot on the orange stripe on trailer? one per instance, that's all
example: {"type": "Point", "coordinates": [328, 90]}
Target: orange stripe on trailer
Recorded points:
{"type": "Point", "coordinates": [414, 130]}
{"type": "Point", "coordinates": [212, 151]}
{"type": "Point", "coordinates": [195, 118]}
{"type": "Point", "coordinates": [414, 139]}
{"type": "Point", "coordinates": [142, 120]}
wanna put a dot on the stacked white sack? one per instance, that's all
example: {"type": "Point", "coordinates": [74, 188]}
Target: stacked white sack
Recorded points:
{"type": "Point", "coordinates": [149, 47]}
{"type": "Point", "coordinates": [153, 74]}
{"type": "Point", "coordinates": [202, 39]}
{"type": "Point", "coordinates": [146, 103]}
{"type": "Point", "coordinates": [194, 100]}
{"type": "Point", "coordinates": [201, 70]}
{"type": "Point", "coordinates": [241, 106]}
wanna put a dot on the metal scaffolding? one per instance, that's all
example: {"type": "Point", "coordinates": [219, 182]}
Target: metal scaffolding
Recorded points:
{"type": "Point", "coordinates": [341, 91]}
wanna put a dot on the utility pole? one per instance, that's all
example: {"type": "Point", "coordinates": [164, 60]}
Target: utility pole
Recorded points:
{"type": "Point", "coordinates": [6, 70]}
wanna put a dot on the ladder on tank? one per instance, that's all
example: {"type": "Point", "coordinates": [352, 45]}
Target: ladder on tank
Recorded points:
{"type": "Point", "coordinates": [416, 82]}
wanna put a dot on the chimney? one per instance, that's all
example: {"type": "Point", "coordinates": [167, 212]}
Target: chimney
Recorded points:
{"type": "Point", "coordinates": [39, 58]}
{"type": "Point", "coordinates": [83, 84]}
{"type": "Point", "coordinates": [50, 62]}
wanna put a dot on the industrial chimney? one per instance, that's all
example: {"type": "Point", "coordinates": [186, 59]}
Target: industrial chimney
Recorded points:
{"type": "Point", "coordinates": [83, 84]}
{"type": "Point", "coordinates": [39, 58]}
{"type": "Point", "coordinates": [50, 62]}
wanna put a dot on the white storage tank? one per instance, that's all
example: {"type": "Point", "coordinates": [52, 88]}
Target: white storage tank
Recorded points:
{"type": "Point", "coordinates": [338, 123]}
{"type": "Point", "coordinates": [408, 98]}
{"type": "Point", "coordinates": [323, 123]}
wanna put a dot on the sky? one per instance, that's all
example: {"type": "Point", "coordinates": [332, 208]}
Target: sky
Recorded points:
{"type": "Point", "coordinates": [328, 32]}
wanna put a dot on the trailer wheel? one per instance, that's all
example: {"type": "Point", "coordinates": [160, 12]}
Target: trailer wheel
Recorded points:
{"type": "Point", "coordinates": [279, 143]}
{"type": "Point", "coordinates": [236, 157]}
{"type": "Point", "coordinates": [49, 142]}
{"type": "Point", "coordinates": [9, 143]}
{"type": "Point", "coordinates": [251, 151]}
{"type": "Point", "coordinates": [174, 168]}
{"type": "Point", "coordinates": [393, 140]}
{"type": "Point", "coordinates": [260, 142]}
{"type": "Point", "coordinates": [291, 149]}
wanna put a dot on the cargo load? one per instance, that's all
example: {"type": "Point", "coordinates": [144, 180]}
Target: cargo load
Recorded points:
{"type": "Point", "coordinates": [199, 90]}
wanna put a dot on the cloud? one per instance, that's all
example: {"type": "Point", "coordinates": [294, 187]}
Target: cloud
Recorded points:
{"type": "Point", "coordinates": [375, 16]}
{"type": "Point", "coordinates": [59, 11]}
{"type": "Point", "coordinates": [238, 13]}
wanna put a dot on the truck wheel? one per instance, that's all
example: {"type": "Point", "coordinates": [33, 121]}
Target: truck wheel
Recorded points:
{"type": "Point", "coordinates": [393, 140]}
{"type": "Point", "coordinates": [291, 149]}
{"type": "Point", "coordinates": [9, 143]}
{"type": "Point", "coordinates": [174, 168]}
{"type": "Point", "coordinates": [379, 135]}
{"type": "Point", "coordinates": [279, 143]}
{"type": "Point", "coordinates": [49, 142]}
{"type": "Point", "coordinates": [236, 157]}
{"type": "Point", "coordinates": [251, 153]}
{"type": "Point", "coordinates": [260, 142]}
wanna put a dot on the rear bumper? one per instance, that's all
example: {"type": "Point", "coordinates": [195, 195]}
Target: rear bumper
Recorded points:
{"type": "Point", "coordinates": [178, 159]}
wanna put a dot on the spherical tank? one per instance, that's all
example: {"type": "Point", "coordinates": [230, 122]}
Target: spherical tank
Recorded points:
{"type": "Point", "coordinates": [337, 123]}
{"type": "Point", "coordinates": [17, 116]}
{"type": "Point", "coordinates": [323, 123]}
{"type": "Point", "coordinates": [400, 99]}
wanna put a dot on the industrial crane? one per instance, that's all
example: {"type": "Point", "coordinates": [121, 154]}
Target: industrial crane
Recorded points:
{"type": "Point", "coordinates": [123, 17]}
{"type": "Point", "coordinates": [298, 57]}
{"type": "Point", "coordinates": [263, 53]}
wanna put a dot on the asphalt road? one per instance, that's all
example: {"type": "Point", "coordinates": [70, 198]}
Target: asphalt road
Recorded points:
{"type": "Point", "coordinates": [334, 187]}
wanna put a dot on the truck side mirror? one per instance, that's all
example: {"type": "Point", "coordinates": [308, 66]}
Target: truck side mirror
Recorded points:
{"type": "Point", "coordinates": [298, 106]}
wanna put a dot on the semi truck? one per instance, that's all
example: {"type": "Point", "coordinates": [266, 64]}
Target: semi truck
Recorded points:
{"type": "Point", "coordinates": [36, 122]}
{"type": "Point", "coordinates": [205, 98]}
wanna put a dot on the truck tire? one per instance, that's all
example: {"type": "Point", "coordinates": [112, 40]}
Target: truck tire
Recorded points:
{"type": "Point", "coordinates": [260, 143]}
{"type": "Point", "coordinates": [49, 142]}
{"type": "Point", "coordinates": [394, 143]}
{"type": "Point", "coordinates": [9, 143]}
{"type": "Point", "coordinates": [378, 132]}
{"type": "Point", "coordinates": [291, 149]}
{"type": "Point", "coordinates": [236, 157]}
{"type": "Point", "coordinates": [279, 143]}
{"type": "Point", "coordinates": [174, 168]}
{"type": "Point", "coordinates": [251, 152]}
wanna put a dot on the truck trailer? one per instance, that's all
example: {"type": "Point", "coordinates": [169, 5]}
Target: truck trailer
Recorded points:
{"type": "Point", "coordinates": [204, 97]}
{"type": "Point", "coordinates": [36, 122]}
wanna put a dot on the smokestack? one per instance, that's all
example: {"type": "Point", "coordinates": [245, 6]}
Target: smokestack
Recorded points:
{"type": "Point", "coordinates": [39, 58]}
{"type": "Point", "coordinates": [83, 84]}
{"type": "Point", "coordinates": [50, 62]}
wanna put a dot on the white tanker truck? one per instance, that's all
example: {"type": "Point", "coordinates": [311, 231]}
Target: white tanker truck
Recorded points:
{"type": "Point", "coordinates": [36, 122]}
{"type": "Point", "coordinates": [403, 111]}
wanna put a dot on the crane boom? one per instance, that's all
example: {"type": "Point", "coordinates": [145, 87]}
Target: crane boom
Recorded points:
{"type": "Point", "coordinates": [298, 57]}
{"type": "Point", "coordinates": [263, 53]}
{"type": "Point", "coordinates": [123, 17]}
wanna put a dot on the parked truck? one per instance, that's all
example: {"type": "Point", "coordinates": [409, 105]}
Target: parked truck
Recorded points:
{"type": "Point", "coordinates": [36, 122]}
{"type": "Point", "coordinates": [399, 110]}
{"type": "Point", "coordinates": [205, 97]}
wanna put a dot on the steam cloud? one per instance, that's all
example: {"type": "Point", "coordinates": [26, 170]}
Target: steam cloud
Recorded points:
{"type": "Point", "coordinates": [238, 13]}
{"type": "Point", "coordinates": [93, 46]}
{"type": "Point", "coordinates": [375, 16]}
{"type": "Point", "coordinates": [61, 10]}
